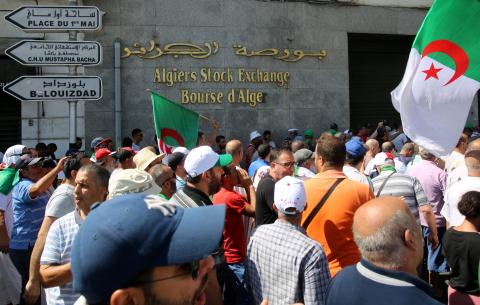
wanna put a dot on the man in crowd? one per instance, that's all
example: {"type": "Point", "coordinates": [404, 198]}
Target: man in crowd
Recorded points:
{"type": "Point", "coordinates": [173, 266]}
{"type": "Point", "coordinates": [235, 149]}
{"type": "Point", "coordinates": [91, 185]}
{"type": "Point", "coordinates": [104, 158]}
{"type": "Point", "coordinates": [255, 141]}
{"type": "Point", "coordinates": [281, 163]}
{"type": "Point", "coordinates": [399, 138]}
{"type": "Point", "coordinates": [99, 142]}
{"type": "Point", "coordinates": [166, 179]}
{"type": "Point", "coordinates": [469, 183]}
{"type": "Point", "coordinates": [60, 204]}
{"type": "Point", "coordinates": [404, 157]}
{"type": "Point", "coordinates": [234, 237]}
{"type": "Point", "coordinates": [297, 145]}
{"type": "Point", "coordinates": [204, 173]}
{"type": "Point", "coordinates": [391, 183]}
{"type": "Point", "coordinates": [433, 181]}
{"type": "Point", "coordinates": [456, 157]}
{"type": "Point", "coordinates": [389, 148]}
{"type": "Point", "coordinates": [390, 242]}
{"type": "Point", "coordinates": [131, 181]}
{"type": "Point", "coordinates": [267, 138]}
{"type": "Point", "coordinates": [124, 157]}
{"type": "Point", "coordinates": [137, 138]}
{"type": "Point", "coordinates": [29, 199]}
{"type": "Point", "coordinates": [263, 157]}
{"type": "Point", "coordinates": [284, 265]}
{"type": "Point", "coordinates": [176, 162]}
{"type": "Point", "coordinates": [221, 143]}
{"type": "Point", "coordinates": [304, 164]}
{"type": "Point", "coordinates": [373, 149]}
{"type": "Point", "coordinates": [356, 151]}
{"type": "Point", "coordinates": [331, 224]}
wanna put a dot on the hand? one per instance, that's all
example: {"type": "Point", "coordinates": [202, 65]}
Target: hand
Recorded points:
{"type": "Point", "coordinates": [215, 124]}
{"type": "Point", "coordinates": [61, 164]}
{"type": "Point", "coordinates": [243, 177]}
{"type": "Point", "coordinates": [433, 240]}
{"type": "Point", "coordinates": [32, 292]}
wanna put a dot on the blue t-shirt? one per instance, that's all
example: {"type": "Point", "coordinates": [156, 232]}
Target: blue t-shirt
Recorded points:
{"type": "Point", "coordinates": [27, 215]}
{"type": "Point", "coordinates": [256, 165]}
{"type": "Point", "coordinates": [366, 284]}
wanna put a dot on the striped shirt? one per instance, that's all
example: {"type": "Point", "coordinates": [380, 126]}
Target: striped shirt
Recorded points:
{"type": "Point", "coordinates": [28, 215]}
{"type": "Point", "coordinates": [285, 266]}
{"type": "Point", "coordinates": [57, 252]}
{"type": "Point", "coordinates": [401, 185]}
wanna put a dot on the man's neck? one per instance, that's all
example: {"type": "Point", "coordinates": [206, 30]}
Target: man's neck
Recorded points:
{"type": "Point", "coordinates": [411, 271]}
{"type": "Point", "coordinates": [357, 167]}
{"type": "Point", "coordinates": [329, 168]}
{"type": "Point", "coordinates": [69, 181]}
{"type": "Point", "coordinates": [137, 142]}
{"type": "Point", "coordinates": [202, 187]}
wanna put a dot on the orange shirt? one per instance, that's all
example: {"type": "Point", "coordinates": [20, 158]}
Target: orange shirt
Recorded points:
{"type": "Point", "coordinates": [332, 226]}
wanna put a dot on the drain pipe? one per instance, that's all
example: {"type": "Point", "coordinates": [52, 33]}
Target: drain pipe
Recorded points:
{"type": "Point", "coordinates": [118, 94]}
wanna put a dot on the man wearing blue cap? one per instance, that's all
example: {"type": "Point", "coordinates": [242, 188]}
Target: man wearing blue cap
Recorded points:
{"type": "Point", "coordinates": [135, 249]}
{"type": "Point", "coordinates": [356, 151]}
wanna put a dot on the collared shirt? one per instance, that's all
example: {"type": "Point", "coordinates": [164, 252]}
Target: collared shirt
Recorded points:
{"type": "Point", "coordinates": [57, 251]}
{"type": "Point", "coordinates": [453, 196]}
{"type": "Point", "coordinates": [433, 181]}
{"type": "Point", "coordinates": [28, 215]}
{"type": "Point", "coordinates": [366, 284]}
{"type": "Point", "coordinates": [285, 266]}
{"type": "Point", "coordinates": [354, 174]}
{"type": "Point", "coordinates": [401, 185]}
{"type": "Point", "coordinates": [190, 197]}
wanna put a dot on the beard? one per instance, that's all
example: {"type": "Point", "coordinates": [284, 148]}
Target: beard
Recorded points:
{"type": "Point", "coordinates": [152, 299]}
{"type": "Point", "coordinates": [214, 186]}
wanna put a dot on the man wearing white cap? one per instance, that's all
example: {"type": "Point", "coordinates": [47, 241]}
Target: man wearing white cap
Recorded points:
{"type": "Point", "coordinates": [204, 174]}
{"type": "Point", "coordinates": [284, 265]}
{"type": "Point", "coordinates": [255, 141]}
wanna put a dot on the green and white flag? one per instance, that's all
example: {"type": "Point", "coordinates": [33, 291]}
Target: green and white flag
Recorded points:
{"type": "Point", "coordinates": [442, 75]}
{"type": "Point", "coordinates": [175, 125]}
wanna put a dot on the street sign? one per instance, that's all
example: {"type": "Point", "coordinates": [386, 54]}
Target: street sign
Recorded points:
{"type": "Point", "coordinates": [44, 52]}
{"type": "Point", "coordinates": [53, 88]}
{"type": "Point", "coordinates": [56, 18]}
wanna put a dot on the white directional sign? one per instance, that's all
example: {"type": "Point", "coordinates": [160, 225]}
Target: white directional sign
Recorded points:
{"type": "Point", "coordinates": [52, 88]}
{"type": "Point", "coordinates": [56, 18]}
{"type": "Point", "coordinates": [43, 52]}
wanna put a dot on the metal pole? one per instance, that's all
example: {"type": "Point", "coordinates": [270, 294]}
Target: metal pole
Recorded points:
{"type": "Point", "coordinates": [118, 95]}
{"type": "Point", "coordinates": [72, 105]}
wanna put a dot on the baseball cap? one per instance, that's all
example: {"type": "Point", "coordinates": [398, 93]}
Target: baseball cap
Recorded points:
{"type": "Point", "coordinates": [27, 160]}
{"type": "Point", "coordinates": [382, 159]}
{"type": "Point", "coordinates": [289, 196]}
{"type": "Point", "coordinates": [99, 140]}
{"type": "Point", "coordinates": [128, 234]}
{"type": "Point", "coordinates": [355, 148]}
{"type": "Point", "coordinates": [203, 158]}
{"type": "Point", "coordinates": [102, 153]}
{"type": "Point", "coordinates": [144, 157]}
{"type": "Point", "coordinates": [181, 149]}
{"type": "Point", "coordinates": [13, 153]}
{"type": "Point", "coordinates": [302, 155]}
{"type": "Point", "coordinates": [308, 133]}
{"type": "Point", "coordinates": [130, 181]}
{"type": "Point", "coordinates": [292, 129]}
{"type": "Point", "coordinates": [254, 134]}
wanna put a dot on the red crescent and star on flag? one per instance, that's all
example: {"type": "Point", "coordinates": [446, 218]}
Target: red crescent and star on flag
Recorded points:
{"type": "Point", "coordinates": [168, 132]}
{"type": "Point", "coordinates": [448, 47]}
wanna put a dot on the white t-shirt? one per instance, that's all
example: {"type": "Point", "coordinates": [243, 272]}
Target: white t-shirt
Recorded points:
{"type": "Point", "coordinates": [354, 174]}
{"type": "Point", "coordinates": [6, 206]}
{"type": "Point", "coordinates": [453, 196]}
{"type": "Point", "coordinates": [456, 175]}
{"type": "Point", "coordinates": [136, 147]}
{"type": "Point", "coordinates": [61, 202]}
{"type": "Point", "coordinates": [261, 172]}
{"type": "Point", "coordinates": [303, 173]}
{"type": "Point", "coordinates": [454, 160]}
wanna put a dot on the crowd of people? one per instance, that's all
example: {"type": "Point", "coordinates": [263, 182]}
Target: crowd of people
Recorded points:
{"type": "Point", "coordinates": [360, 216]}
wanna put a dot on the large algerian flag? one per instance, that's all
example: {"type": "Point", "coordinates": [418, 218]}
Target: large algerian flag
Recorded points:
{"type": "Point", "coordinates": [174, 125]}
{"type": "Point", "coordinates": [442, 75]}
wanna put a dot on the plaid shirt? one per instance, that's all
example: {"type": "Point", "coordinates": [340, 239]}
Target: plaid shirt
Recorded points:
{"type": "Point", "coordinates": [285, 266]}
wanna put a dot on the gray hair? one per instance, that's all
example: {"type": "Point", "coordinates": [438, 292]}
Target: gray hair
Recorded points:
{"type": "Point", "coordinates": [386, 244]}
{"type": "Point", "coordinates": [101, 174]}
{"type": "Point", "coordinates": [425, 154]}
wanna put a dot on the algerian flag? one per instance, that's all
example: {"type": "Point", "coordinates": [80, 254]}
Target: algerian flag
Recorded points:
{"type": "Point", "coordinates": [442, 75]}
{"type": "Point", "coordinates": [174, 125]}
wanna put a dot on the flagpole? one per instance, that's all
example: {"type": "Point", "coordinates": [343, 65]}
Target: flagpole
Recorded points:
{"type": "Point", "coordinates": [201, 116]}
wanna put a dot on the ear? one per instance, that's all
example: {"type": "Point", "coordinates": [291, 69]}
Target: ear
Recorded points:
{"type": "Point", "coordinates": [127, 296]}
{"type": "Point", "coordinates": [74, 174]}
{"type": "Point", "coordinates": [409, 239]}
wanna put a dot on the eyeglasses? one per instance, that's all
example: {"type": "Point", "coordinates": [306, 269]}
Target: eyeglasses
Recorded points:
{"type": "Point", "coordinates": [193, 266]}
{"type": "Point", "coordinates": [286, 164]}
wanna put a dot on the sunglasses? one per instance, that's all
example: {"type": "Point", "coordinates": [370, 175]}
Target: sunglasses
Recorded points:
{"type": "Point", "coordinates": [192, 267]}
{"type": "Point", "coordinates": [286, 164]}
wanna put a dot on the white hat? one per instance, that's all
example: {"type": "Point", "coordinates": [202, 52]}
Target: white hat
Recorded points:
{"type": "Point", "coordinates": [289, 196]}
{"type": "Point", "coordinates": [130, 181]}
{"type": "Point", "coordinates": [203, 158]}
{"type": "Point", "coordinates": [382, 159]}
{"type": "Point", "coordinates": [254, 134]}
{"type": "Point", "coordinates": [144, 157]}
{"type": "Point", "coordinates": [292, 129]}
{"type": "Point", "coordinates": [181, 149]}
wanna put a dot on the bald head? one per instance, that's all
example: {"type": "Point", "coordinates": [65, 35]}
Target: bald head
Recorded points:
{"type": "Point", "coordinates": [472, 158]}
{"type": "Point", "coordinates": [234, 147]}
{"type": "Point", "coordinates": [373, 146]}
{"type": "Point", "coordinates": [407, 149]}
{"type": "Point", "coordinates": [387, 234]}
